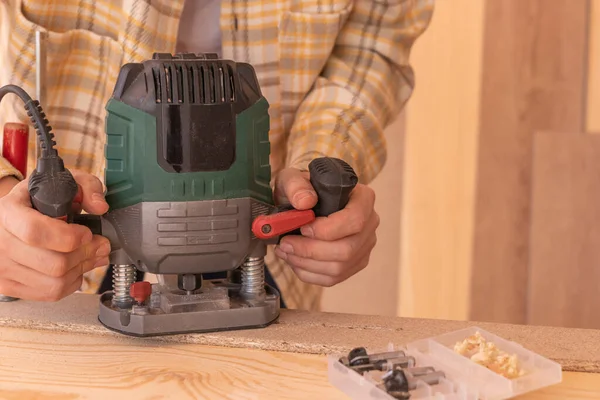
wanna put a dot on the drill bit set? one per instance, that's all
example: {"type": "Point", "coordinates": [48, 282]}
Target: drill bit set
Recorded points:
{"type": "Point", "coordinates": [395, 372]}
{"type": "Point", "coordinates": [470, 364]}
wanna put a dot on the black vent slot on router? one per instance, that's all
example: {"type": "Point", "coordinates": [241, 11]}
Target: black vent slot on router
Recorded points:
{"type": "Point", "coordinates": [207, 82]}
{"type": "Point", "coordinates": [157, 85]}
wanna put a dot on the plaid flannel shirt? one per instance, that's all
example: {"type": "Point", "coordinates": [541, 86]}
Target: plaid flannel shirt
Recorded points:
{"type": "Point", "coordinates": [335, 72]}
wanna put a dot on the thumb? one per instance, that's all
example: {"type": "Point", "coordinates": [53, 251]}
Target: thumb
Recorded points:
{"type": "Point", "coordinates": [93, 193]}
{"type": "Point", "coordinates": [292, 186]}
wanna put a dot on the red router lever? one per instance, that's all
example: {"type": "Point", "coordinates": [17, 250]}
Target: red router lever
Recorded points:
{"type": "Point", "coordinates": [269, 226]}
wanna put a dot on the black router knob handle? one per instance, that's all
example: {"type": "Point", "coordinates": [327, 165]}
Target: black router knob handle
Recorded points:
{"type": "Point", "coordinates": [333, 180]}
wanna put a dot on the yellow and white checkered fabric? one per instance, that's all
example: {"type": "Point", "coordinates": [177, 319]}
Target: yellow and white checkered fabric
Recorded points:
{"type": "Point", "coordinates": [335, 72]}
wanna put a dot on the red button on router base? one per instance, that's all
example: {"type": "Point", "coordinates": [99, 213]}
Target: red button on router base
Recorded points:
{"type": "Point", "coordinates": [140, 291]}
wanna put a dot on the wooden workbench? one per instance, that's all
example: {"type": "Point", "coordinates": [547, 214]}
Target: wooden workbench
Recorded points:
{"type": "Point", "coordinates": [60, 351]}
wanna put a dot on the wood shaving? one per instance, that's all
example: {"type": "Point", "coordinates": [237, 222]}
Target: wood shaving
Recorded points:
{"type": "Point", "coordinates": [485, 353]}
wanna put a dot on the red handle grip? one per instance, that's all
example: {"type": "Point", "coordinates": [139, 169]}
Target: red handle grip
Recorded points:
{"type": "Point", "coordinates": [15, 145]}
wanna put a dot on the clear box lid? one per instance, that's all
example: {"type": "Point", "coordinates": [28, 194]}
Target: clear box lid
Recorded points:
{"type": "Point", "coordinates": [477, 365]}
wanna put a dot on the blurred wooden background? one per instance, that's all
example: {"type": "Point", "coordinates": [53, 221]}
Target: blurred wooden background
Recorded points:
{"type": "Point", "coordinates": [491, 196]}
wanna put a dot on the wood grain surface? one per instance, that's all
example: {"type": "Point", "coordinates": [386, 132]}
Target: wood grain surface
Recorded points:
{"type": "Point", "coordinates": [54, 365]}
{"type": "Point", "coordinates": [564, 278]}
{"type": "Point", "coordinates": [577, 350]}
{"type": "Point", "coordinates": [533, 79]}
{"type": "Point", "coordinates": [42, 365]}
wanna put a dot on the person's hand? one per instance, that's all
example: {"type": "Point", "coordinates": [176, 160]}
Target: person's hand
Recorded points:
{"type": "Point", "coordinates": [43, 258]}
{"type": "Point", "coordinates": [331, 249]}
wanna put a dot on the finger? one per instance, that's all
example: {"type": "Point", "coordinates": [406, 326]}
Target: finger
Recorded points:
{"type": "Point", "coordinates": [85, 256]}
{"type": "Point", "coordinates": [18, 290]}
{"type": "Point", "coordinates": [329, 268]}
{"type": "Point", "coordinates": [76, 275]}
{"type": "Point", "coordinates": [93, 263]}
{"type": "Point", "coordinates": [25, 292]}
{"type": "Point", "coordinates": [326, 280]}
{"type": "Point", "coordinates": [52, 286]}
{"type": "Point", "coordinates": [346, 222]}
{"type": "Point", "coordinates": [340, 250]}
{"type": "Point", "coordinates": [37, 230]}
{"type": "Point", "coordinates": [25, 283]}
{"type": "Point", "coordinates": [48, 262]}
{"type": "Point", "coordinates": [293, 187]}
{"type": "Point", "coordinates": [93, 193]}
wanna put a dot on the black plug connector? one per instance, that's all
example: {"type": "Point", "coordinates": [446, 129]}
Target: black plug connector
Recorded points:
{"type": "Point", "coordinates": [52, 187]}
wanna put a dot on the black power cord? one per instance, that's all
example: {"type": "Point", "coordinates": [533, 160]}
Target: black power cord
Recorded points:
{"type": "Point", "coordinates": [52, 187]}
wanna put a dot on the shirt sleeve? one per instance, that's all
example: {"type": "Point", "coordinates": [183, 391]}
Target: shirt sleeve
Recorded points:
{"type": "Point", "coordinates": [362, 88]}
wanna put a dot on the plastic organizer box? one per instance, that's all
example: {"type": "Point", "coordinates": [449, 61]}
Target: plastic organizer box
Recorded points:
{"type": "Point", "coordinates": [464, 379]}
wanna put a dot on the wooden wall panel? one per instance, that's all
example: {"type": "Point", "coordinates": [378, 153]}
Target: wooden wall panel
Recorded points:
{"type": "Point", "coordinates": [564, 278]}
{"type": "Point", "coordinates": [533, 79]}
{"type": "Point", "coordinates": [375, 289]}
{"type": "Point", "coordinates": [441, 142]}
{"type": "Point", "coordinates": [593, 98]}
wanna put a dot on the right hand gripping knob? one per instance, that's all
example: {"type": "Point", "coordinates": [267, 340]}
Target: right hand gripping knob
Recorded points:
{"type": "Point", "coordinates": [333, 181]}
